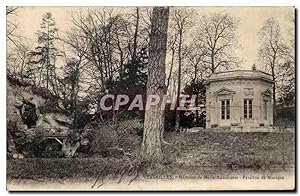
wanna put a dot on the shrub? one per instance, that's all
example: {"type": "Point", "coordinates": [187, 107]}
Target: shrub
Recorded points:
{"type": "Point", "coordinates": [110, 135]}
{"type": "Point", "coordinates": [103, 137]}
{"type": "Point", "coordinates": [129, 134]}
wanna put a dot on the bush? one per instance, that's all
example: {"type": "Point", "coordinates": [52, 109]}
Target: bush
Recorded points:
{"type": "Point", "coordinates": [285, 117]}
{"type": "Point", "coordinates": [134, 126]}
{"type": "Point", "coordinates": [20, 137]}
{"type": "Point", "coordinates": [110, 135]}
{"type": "Point", "coordinates": [129, 134]}
{"type": "Point", "coordinates": [103, 138]}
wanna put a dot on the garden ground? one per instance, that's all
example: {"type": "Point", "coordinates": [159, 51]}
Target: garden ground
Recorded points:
{"type": "Point", "coordinates": [189, 157]}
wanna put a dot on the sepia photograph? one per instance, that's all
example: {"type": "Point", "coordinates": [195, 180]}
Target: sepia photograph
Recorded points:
{"type": "Point", "coordinates": [150, 98]}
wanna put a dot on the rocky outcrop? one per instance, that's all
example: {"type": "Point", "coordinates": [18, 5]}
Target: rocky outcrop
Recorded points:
{"type": "Point", "coordinates": [24, 116]}
{"type": "Point", "coordinates": [23, 106]}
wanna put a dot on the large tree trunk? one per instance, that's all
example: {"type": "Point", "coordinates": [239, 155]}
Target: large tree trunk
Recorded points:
{"type": "Point", "coordinates": [154, 116]}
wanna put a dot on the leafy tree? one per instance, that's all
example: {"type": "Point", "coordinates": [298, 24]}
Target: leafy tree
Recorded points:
{"type": "Point", "coordinates": [133, 79]}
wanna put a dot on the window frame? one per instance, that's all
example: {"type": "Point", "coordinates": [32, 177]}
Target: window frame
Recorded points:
{"type": "Point", "coordinates": [248, 108]}
{"type": "Point", "coordinates": [225, 109]}
{"type": "Point", "coordinates": [265, 109]}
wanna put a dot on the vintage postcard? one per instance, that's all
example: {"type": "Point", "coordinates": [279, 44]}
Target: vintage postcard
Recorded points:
{"type": "Point", "coordinates": [150, 98]}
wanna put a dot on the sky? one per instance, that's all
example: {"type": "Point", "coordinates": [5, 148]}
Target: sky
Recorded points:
{"type": "Point", "coordinates": [251, 20]}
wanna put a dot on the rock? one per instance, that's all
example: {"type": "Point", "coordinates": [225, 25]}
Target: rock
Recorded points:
{"type": "Point", "coordinates": [23, 107]}
{"type": "Point", "coordinates": [24, 118]}
{"type": "Point", "coordinates": [18, 156]}
{"type": "Point", "coordinates": [194, 129]}
{"type": "Point", "coordinates": [69, 149]}
{"type": "Point", "coordinates": [53, 120]}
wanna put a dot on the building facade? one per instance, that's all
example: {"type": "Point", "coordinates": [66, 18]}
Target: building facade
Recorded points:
{"type": "Point", "coordinates": [241, 98]}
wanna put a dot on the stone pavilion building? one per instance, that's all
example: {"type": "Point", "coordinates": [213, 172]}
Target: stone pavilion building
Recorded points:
{"type": "Point", "coordinates": [240, 99]}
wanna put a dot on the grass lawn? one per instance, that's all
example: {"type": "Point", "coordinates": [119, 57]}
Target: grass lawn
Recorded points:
{"type": "Point", "coordinates": [232, 150]}
{"type": "Point", "coordinates": [187, 153]}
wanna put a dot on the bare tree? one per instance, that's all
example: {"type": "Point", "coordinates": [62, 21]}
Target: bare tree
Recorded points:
{"type": "Point", "coordinates": [172, 47]}
{"type": "Point", "coordinates": [108, 42]}
{"type": "Point", "coordinates": [180, 23]}
{"type": "Point", "coordinates": [154, 116]}
{"type": "Point", "coordinates": [136, 30]}
{"type": "Point", "coordinates": [11, 34]}
{"type": "Point", "coordinates": [16, 47]}
{"type": "Point", "coordinates": [17, 61]}
{"type": "Point", "coordinates": [286, 80]}
{"type": "Point", "coordinates": [145, 25]}
{"type": "Point", "coordinates": [217, 33]}
{"type": "Point", "coordinates": [195, 71]}
{"type": "Point", "coordinates": [114, 39]}
{"type": "Point", "coordinates": [272, 52]}
{"type": "Point", "coordinates": [195, 59]}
